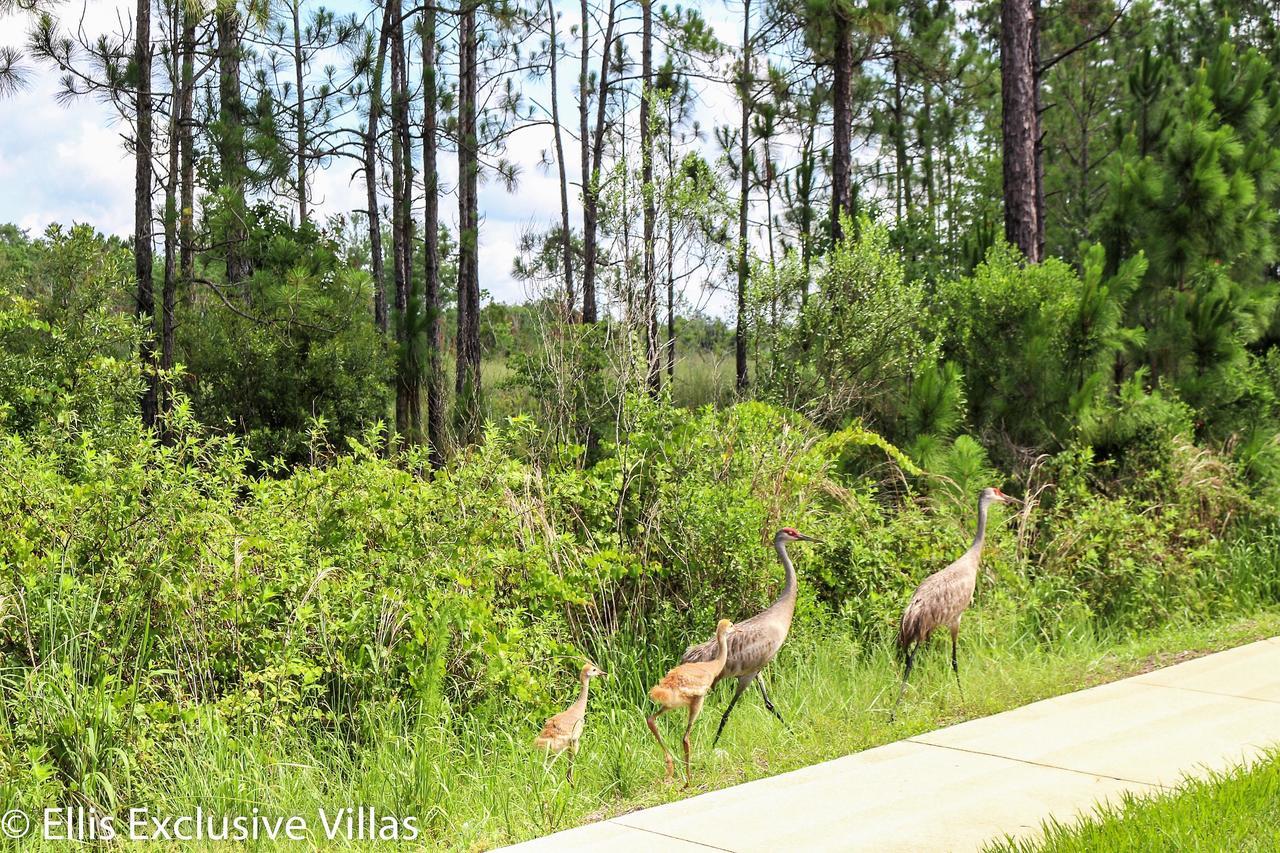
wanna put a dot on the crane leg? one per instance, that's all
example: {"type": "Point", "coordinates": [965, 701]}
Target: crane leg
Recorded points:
{"type": "Point", "coordinates": [695, 708]}
{"type": "Point", "coordinates": [743, 683]}
{"type": "Point", "coordinates": [573, 754]}
{"type": "Point", "coordinates": [955, 665]}
{"type": "Point", "coordinates": [764, 695]}
{"type": "Point", "coordinates": [906, 674]}
{"type": "Point", "coordinates": [666, 753]}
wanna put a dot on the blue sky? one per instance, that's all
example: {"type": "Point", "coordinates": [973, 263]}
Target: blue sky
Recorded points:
{"type": "Point", "coordinates": [67, 163]}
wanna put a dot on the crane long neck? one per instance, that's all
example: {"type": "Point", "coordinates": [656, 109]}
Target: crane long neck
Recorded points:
{"type": "Point", "coordinates": [789, 585]}
{"type": "Point", "coordinates": [983, 505]}
{"type": "Point", "coordinates": [722, 647]}
{"type": "Point", "coordinates": [581, 701]}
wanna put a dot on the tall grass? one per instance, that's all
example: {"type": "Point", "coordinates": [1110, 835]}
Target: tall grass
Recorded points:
{"type": "Point", "coordinates": [473, 782]}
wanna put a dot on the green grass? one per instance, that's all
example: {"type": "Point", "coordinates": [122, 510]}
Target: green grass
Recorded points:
{"type": "Point", "coordinates": [1238, 811]}
{"type": "Point", "coordinates": [473, 782]}
{"type": "Point", "coordinates": [703, 377]}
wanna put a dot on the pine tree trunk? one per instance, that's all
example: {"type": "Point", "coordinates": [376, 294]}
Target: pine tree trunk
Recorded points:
{"type": "Point", "coordinates": [744, 192]}
{"type": "Point", "coordinates": [371, 174]}
{"type": "Point", "coordinates": [468, 337]}
{"type": "Point", "coordinates": [407, 396]}
{"type": "Point", "coordinates": [652, 352]}
{"type": "Point", "coordinates": [1020, 126]}
{"type": "Point", "coordinates": [169, 288]}
{"type": "Point", "coordinates": [431, 248]}
{"type": "Point", "coordinates": [186, 144]}
{"type": "Point", "coordinates": [591, 173]}
{"type": "Point", "coordinates": [842, 118]}
{"type": "Point", "coordinates": [142, 251]}
{"type": "Point", "coordinates": [301, 128]}
{"type": "Point", "coordinates": [231, 147]}
{"type": "Point", "coordinates": [566, 235]}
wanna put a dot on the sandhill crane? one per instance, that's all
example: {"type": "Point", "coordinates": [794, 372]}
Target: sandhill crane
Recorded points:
{"type": "Point", "coordinates": [756, 640]}
{"type": "Point", "coordinates": [942, 598]}
{"type": "Point", "coordinates": [564, 730]}
{"type": "Point", "coordinates": [686, 686]}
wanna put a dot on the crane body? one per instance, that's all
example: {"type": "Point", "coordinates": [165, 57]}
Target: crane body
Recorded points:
{"type": "Point", "coordinates": [686, 686]}
{"type": "Point", "coordinates": [755, 641]}
{"type": "Point", "coordinates": [942, 598]}
{"type": "Point", "coordinates": [563, 731]}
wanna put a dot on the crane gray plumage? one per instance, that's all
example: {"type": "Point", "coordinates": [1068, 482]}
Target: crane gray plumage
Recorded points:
{"type": "Point", "coordinates": [942, 598]}
{"type": "Point", "coordinates": [756, 641]}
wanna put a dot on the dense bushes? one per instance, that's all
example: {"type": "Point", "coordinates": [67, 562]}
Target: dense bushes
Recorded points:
{"type": "Point", "coordinates": [148, 580]}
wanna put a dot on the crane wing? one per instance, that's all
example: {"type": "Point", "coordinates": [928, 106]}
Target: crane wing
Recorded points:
{"type": "Point", "coordinates": [560, 730]}
{"type": "Point", "coordinates": [752, 645]}
{"type": "Point", "coordinates": [938, 600]}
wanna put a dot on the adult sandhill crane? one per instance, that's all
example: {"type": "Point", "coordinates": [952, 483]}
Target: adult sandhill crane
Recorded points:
{"type": "Point", "coordinates": [564, 730]}
{"type": "Point", "coordinates": [756, 641]}
{"type": "Point", "coordinates": [942, 598]}
{"type": "Point", "coordinates": [685, 687]}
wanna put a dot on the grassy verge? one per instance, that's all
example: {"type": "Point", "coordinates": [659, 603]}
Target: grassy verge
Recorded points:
{"type": "Point", "coordinates": [474, 783]}
{"type": "Point", "coordinates": [1238, 810]}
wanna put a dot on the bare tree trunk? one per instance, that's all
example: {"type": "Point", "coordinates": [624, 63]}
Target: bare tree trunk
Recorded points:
{"type": "Point", "coordinates": [650, 214]}
{"type": "Point", "coordinates": [926, 138]}
{"type": "Point", "coordinates": [302, 111]}
{"type": "Point", "coordinates": [842, 117]}
{"type": "Point", "coordinates": [169, 287]}
{"type": "Point", "coordinates": [186, 144]}
{"type": "Point", "coordinates": [431, 248]}
{"type": "Point", "coordinates": [770, 171]}
{"type": "Point", "coordinates": [142, 251]}
{"type": "Point", "coordinates": [1020, 125]}
{"type": "Point", "coordinates": [411, 325]}
{"type": "Point", "coordinates": [808, 166]}
{"type": "Point", "coordinates": [468, 337]}
{"type": "Point", "coordinates": [591, 177]}
{"type": "Point", "coordinates": [371, 174]}
{"type": "Point", "coordinates": [584, 145]}
{"type": "Point", "coordinates": [671, 258]}
{"type": "Point", "coordinates": [566, 235]}
{"type": "Point", "coordinates": [744, 169]}
{"type": "Point", "coordinates": [903, 195]}
{"type": "Point", "coordinates": [1035, 81]}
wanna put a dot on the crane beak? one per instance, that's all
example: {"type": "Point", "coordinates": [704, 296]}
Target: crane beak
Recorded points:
{"type": "Point", "coordinates": [811, 539]}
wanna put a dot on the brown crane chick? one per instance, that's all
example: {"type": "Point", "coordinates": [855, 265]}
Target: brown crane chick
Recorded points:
{"type": "Point", "coordinates": [756, 641]}
{"type": "Point", "coordinates": [564, 730]}
{"type": "Point", "coordinates": [942, 598]}
{"type": "Point", "coordinates": [685, 687]}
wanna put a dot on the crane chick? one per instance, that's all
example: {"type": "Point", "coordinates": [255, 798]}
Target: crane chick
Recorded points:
{"type": "Point", "coordinates": [564, 730]}
{"type": "Point", "coordinates": [685, 687]}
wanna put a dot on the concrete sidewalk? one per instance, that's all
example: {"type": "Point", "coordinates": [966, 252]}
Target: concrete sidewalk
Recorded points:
{"type": "Point", "coordinates": [956, 788]}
